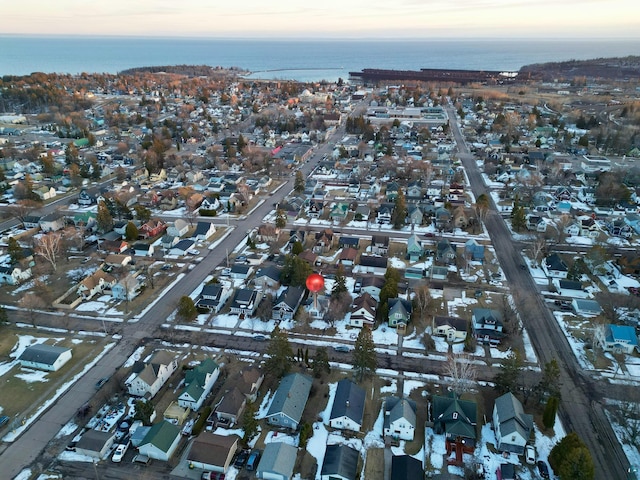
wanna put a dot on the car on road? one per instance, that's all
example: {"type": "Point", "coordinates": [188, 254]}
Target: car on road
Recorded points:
{"type": "Point", "coordinates": [241, 459]}
{"type": "Point", "coordinates": [543, 470]}
{"type": "Point", "coordinates": [4, 419]}
{"type": "Point", "coordinates": [530, 454]}
{"type": "Point", "coordinates": [260, 338]}
{"type": "Point", "coordinates": [101, 382]}
{"type": "Point", "coordinates": [342, 348]}
{"type": "Point", "coordinates": [523, 266]}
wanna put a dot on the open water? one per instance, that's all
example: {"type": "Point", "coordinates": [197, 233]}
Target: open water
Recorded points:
{"type": "Point", "coordinates": [303, 60]}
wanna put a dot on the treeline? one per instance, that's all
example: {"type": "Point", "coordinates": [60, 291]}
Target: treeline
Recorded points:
{"type": "Point", "coordinates": [188, 70]}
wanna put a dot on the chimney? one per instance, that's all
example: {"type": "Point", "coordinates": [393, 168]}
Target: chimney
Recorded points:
{"type": "Point", "coordinates": [347, 403]}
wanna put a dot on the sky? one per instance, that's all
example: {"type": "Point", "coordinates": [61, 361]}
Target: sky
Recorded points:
{"type": "Point", "coordinates": [326, 18]}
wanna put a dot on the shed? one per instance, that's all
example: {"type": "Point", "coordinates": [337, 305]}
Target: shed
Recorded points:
{"type": "Point", "coordinates": [277, 462]}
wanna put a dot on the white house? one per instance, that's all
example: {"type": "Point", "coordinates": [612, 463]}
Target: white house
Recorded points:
{"type": "Point", "coordinates": [147, 379]}
{"type": "Point", "coordinates": [95, 444]}
{"type": "Point", "coordinates": [13, 274]}
{"type": "Point", "coordinates": [161, 441]}
{"type": "Point", "coordinates": [348, 406]}
{"type": "Point", "coordinates": [45, 357]}
{"type": "Point", "coordinates": [554, 266]}
{"type": "Point", "coordinates": [618, 339]}
{"type": "Point", "coordinates": [179, 228]}
{"type": "Point", "coordinates": [198, 383]}
{"type": "Point", "coordinates": [399, 418]}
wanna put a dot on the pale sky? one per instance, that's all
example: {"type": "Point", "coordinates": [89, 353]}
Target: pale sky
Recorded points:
{"type": "Point", "coordinates": [326, 18]}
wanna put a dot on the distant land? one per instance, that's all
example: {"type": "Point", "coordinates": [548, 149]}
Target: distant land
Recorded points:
{"type": "Point", "coordinates": [606, 68]}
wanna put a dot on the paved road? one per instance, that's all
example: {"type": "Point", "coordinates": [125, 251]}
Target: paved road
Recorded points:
{"type": "Point", "coordinates": [547, 338]}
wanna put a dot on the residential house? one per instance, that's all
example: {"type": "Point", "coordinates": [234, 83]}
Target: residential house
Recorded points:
{"type": "Point", "coordinates": [339, 211]}
{"type": "Point", "coordinates": [151, 229]}
{"type": "Point", "coordinates": [240, 272]}
{"type": "Point", "coordinates": [127, 288]}
{"type": "Point", "coordinates": [374, 265]}
{"type": "Point", "coordinates": [114, 246]}
{"type": "Point", "coordinates": [245, 301]}
{"type": "Point", "coordinates": [117, 260]}
{"type": "Point", "coordinates": [213, 297]}
{"type": "Point", "coordinates": [452, 328]}
{"type": "Point", "coordinates": [95, 444]}
{"type": "Point", "coordinates": [85, 199]}
{"type": "Point", "coordinates": [399, 418]}
{"type": "Point", "coordinates": [267, 233]}
{"type": "Point", "coordinates": [618, 339]}
{"type": "Point", "coordinates": [97, 282]}
{"type": "Point", "coordinates": [348, 256]}
{"type": "Point", "coordinates": [289, 401]}
{"type": "Point", "coordinates": [249, 381]}
{"type": "Point", "coordinates": [268, 278]}
{"type": "Point", "coordinates": [277, 461]}
{"type": "Point", "coordinates": [181, 248]}
{"type": "Point", "coordinates": [324, 241]}
{"type": "Point", "coordinates": [414, 214]}
{"type": "Point", "coordinates": [536, 223]}
{"type": "Point", "coordinates": [446, 252]}
{"type": "Point", "coordinates": [457, 420]}
{"type": "Point", "coordinates": [287, 303]}
{"type": "Point", "coordinates": [231, 406]}
{"type": "Point", "coordinates": [442, 218]}
{"type": "Point", "coordinates": [45, 357]}
{"type": "Point", "coordinates": [586, 308]}
{"type": "Point", "coordinates": [474, 251]}
{"type": "Point", "coordinates": [347, 411]}
{"type": "Point", "coordinates": [487, 325]}
{"type": "Point", "coordinates": [143, 249]}
{"type": "Point", "coordinates": [511, 425]}
{"type": "Point", "coordinates": [362, 213]}
{"type": "Point", "coordinates": [589, 227]}
{"type": "Point", "coordinates": [198, 383]}
{"type": "Point", "coordinates": [45, 193]}
{"type": "Point", "coordinates": [372, 285]}
{"type": "Point", "coordinates": [203, 231]}
{"type": "Point", "coordinates": [52, 222]}
{"type": "Point", "coordinates": [380, 245]}
{"type": "Point", "coordinates": [340, 463]}
{"type": "Point", "coordinates": [383, 216]}
{"type": "Point", "coordinates": [404, 467]}
{"type": "Point", "coordinates": [179, 228]}
{"type": "Point", "coordinates": [14, 274]}
{"type": "Point", "coordinates": [363, 311]}
{"type": "Point", "coordinates": [161, 441]}
{"type": "Point", "coordinates": [506, 471]}
{"type": "Point", "coordinates": [213, 453]}
{"type": "Point", "coordinates": [399, 312]}
{"type": "Point", "coordinates": [414, 248]}
{"type": "Point", "coordinates": [554, 266]}
{"type": "Point", "coordinates": [310, 257]}
{"type": "Point", "coordinates": [147, 379]}
{"type": "Point", "coordinates": [569, 288]}
{"type": "Point", "coordinates": [349, 242]}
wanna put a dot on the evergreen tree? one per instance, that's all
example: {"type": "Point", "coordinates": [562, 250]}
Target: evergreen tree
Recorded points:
{"type": "Point", "coordinates": [143, 214]}
{"type": "Point", "coordinates": [143, 411]}
{"type": "Point", "coordinates": [187, 310]}
{"type": "Point", "coordinates": [295, 271]}
{"type": "Point", "coordinates": [298, 185]}
{"type": "Point", "coordinates": [280, 354]}
{"type": "Point", "coordinates": [570, 459]}
{"type": "Point", "coordinates": [364, 354]}
{"type": "Point", "coordinates": [550, 410]}
{"type": "Point", "coordinates": [281, 218]}
{"type": "Point", "coordinates": [549, 385]}
{"type": "Point", "coordinates": [399, 213]}
{"type": "Point", "coordinates": [507, 379]}
{"type": "Point", "coordinates": [297, 248]}
{"type": "Point", "coordinates": [340, 285]}
{"type": "Point", "coordinates": [104, 220]}
{"type": "Point", "coordinates": [518, 220]}
{"type": "Point", "coordinates": [249, 422]}
{"type": "Point", "coordinates": [321, 362]}
{"type": "Point", "coordinates": [14, 250]}
{"type": "Point", "coordinates": [306, 432]}
{"type": "Point", "coordinates": [131, 231]}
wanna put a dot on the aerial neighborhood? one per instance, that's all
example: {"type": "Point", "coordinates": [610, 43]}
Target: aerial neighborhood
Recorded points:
{"type": "Point", "coordinates": [328, 280]}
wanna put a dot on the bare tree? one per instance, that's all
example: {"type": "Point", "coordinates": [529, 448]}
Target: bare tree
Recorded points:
{"type": "Point", "coordinates": [629, 420]}
{"type": "Point", "coordinates": [49, 247]}
{"type": "Point", "coordinates": [31, 303]}
{"type": "Point", "coordinates": [461, 373]}
{"type": "Point", "coordinates": [538, 248]}
{"type": "Point", "coordinates": [22, 209]}
{"type": "Point", "coordinates": [423, 301]}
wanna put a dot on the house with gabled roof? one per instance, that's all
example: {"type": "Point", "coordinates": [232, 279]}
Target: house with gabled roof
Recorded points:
{"type": "Point", "coordinates": [372, 285]}
{"type": "Point", "coordinates": [289, 401]}
{"type": "Point", "coordinates": [182, 247]}
{"type": "Point", "coordinates": [399, 418]}
{"type": "Point", "coordinates": [213, 297]}
{"type": "Point", "coordinates": [363, 311]}
{"type": "Point", "coordinates": [487, 325]}
{"type": "Point", "coordinates": [277, 462]}
{"type": "Point", "coordinates": [97, 282]}
{"type": "Point", "coordinates": [52, 222]}
{"type": "Point", "coordinates": [245, 301]}
{"type": "Point", "coordinates": [349, 242]}
{"type": "Point", "coordinates": [45, 357]}
{"type": "Point", "coordinates": [379, 245]}
{"type": "Point", "coordinates": [618, 339]}
{"type": "Point", "coordinates": [511, 425]}
{"type": "Point", "coordinates": [127, 288]}
{"type": "Point", "coordinates": [347, 411]}
{"type": "Point", "coordinates": [14, 274]}
{"type": "Point", "coordinates": [231, 406]}
{"type": "Point", "coordinates": [212, 452]}
{"type": "Point", "coordinates": [179, 228]}
{"type": "Point", "coordinates": [340, 463]}
{"type": "Point", "coordinates": [457, 420]}
{"type": "Point", "coordinates": [198, 383]}
{"type": "Point", "coordinates": [372, 264]}
{"type": "Point", "coordinates": [240, 271]}
{"type": "Point", "coordinates": [554, 266]}
{"type": "Point", "coordinates": [473, 250]}
{"type": "Point", "coordinates": [249, 381]}
{"type": "Point", "coordinates": [446, 252]}
{"type": "Point", "coordinates": [348, 256]}
{"type": "Point", "coordinates": [287, 303]}
{"type": "Point", "coordinates": [268, 278]}
{"type": "Point", "coordinates": [147, 379]}
{"type": "Point", "coordinates": [399, 312]}
{"type": "Point", "coordinates": [414, 248]}
{"type": "Point", "coordinates": [161, 441]}
{"type": "Point", "coordinates": [203, 231]}
{"type": "Point", "coordinates": [452, 328]}
{"type": "Point", "coordinates": [95, 444]}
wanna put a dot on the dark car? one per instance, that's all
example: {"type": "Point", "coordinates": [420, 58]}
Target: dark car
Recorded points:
{"type": "Point", "coordinates": [523, 267]}
{"type": "Point", "coordinates": [241, 459]}
{"type": "Point", "coordinates": [3, 420]}
{"type": "Point", "coordinates": [101, 382]}
{"type": "Point", "coordinates": [543, 469]}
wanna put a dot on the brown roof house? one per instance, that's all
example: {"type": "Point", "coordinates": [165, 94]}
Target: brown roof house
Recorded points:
{"type": "Point", "coordinates": [212, 452]}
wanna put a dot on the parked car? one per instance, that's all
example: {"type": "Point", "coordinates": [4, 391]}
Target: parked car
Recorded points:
{"type": "Point", "coordinates": [260, 338]}
{"type": "Point", "coordinates": [4, 419]}
{"type": "Point", "coordinates": [241, 459]}
{"type": "Point", "coordinates": [212, 476]}
{"type": "Point", "coordinates": [118, 455]}
{"type": "Point", "coordinates": [252, 461]}
{"type": "Point", "coordinates": [530, 454]}
{"type": "Point", "coordinates": [543, 469]}
{"type": "Point", "coordinates": [341, 348]}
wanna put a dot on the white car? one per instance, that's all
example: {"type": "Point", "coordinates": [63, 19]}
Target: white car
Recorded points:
{"type": "Point", "coordinates": [530, 454]}
{"type": "Point", "coordinates": [118, 455]}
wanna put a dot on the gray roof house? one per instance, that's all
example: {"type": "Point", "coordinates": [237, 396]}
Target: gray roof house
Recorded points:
{"type": "Point", "coordinates": [340, 463]}
{"type": "Point", "coordinates": [287, 303]}
{"type": "Point", "coordinates": [95, 443]}
{"type": "Point", "coordinates": [277, 461]}
{"type": "Point", "coordinates": [45, 357]}
{"type": "Point", "coordinates": [399, 418]}
{"type": "Point", "coordinates": [348, 406]}
{"type": "Point", "coordinates": [289, 401]}
{"type": "Point", "coordinates": [511, 425]}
